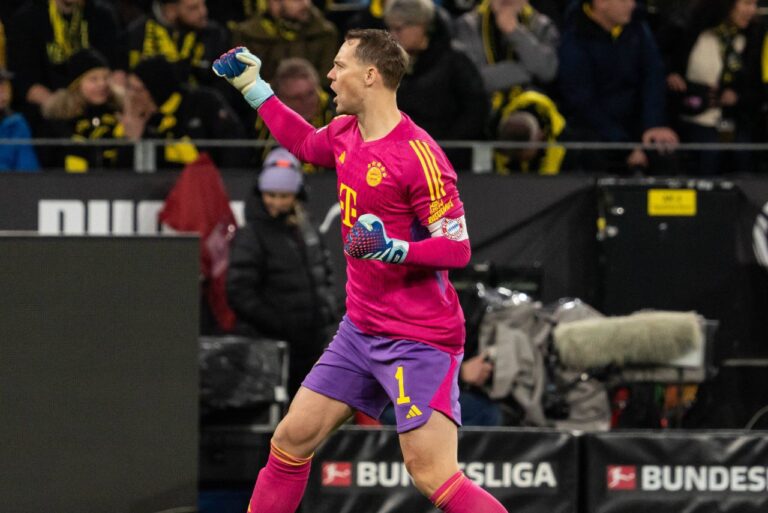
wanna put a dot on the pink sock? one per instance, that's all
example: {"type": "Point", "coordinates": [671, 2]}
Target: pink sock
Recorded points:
{"type": "Point", "coordinates": [281, 483]}
{"type": "Point", "coordinates": [460, 495]}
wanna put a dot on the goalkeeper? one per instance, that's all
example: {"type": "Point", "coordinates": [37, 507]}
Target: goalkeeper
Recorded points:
{"type": "Point", "coordinates": [402, 338]}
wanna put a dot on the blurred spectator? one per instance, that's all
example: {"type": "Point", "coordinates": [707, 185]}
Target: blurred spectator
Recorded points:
{"type": "Point", "coordinates": [15, 157]}
{"type": "Point", "coordinates": [289, 28]}
{"type": "Point", "coordinates": [7, 8]}
{"type": "Point", "coordinates": [86, 110]}
{"type": "Point", "coordinates": [477, 409]}
{"type": "Point", "coordinates": [612, 83]}
{"type": "Point", "coordinates": [370, 18]}
{"type": "Point", "coordinates": [159, 106]}
{"type": "Point", "coordinates": [511, 43]}
{"type": "Point", "coordinates": [233, 11]}
{"type": "Point", "coordinates": [180, 31]}
{"type": "Point", "coordinates": [530, 117]}
{"type": "Point", "coordinates": [130, 10]}
{"type": "Point", "coordinates": [715, 73]}
{"type": "Point", "coordinates": [43, 35]}
{"type": "Point", "coordinates": [3, 47]}
{"type": "Point", "coordinates": [442, 90]}
{"type": "Point", "coordinates": [297, 85]}
{"type": "Point", "coordinates": [552, 9]}
{"type": "Point", "coordinates": [279, 278]}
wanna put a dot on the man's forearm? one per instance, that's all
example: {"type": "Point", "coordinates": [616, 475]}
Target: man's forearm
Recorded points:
{"type": "Point", "coordinates": [439, 253]}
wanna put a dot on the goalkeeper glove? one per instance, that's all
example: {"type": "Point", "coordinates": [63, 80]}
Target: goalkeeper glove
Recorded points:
{"type": "Point", "coordinates": [241, 69]}
{"type": "Point", "coordinates": [368, 240]}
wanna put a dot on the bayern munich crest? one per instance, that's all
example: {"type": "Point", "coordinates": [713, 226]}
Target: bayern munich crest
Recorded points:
{"type": "Point", "coordinates": [452, 228]}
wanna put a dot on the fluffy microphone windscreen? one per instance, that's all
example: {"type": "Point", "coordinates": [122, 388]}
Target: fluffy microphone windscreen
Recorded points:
{"type": "Point", "coordinates": [642, 338]}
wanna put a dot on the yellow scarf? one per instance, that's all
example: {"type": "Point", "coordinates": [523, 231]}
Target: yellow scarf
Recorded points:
{"type": "Point", "coordinates": [69, 36]}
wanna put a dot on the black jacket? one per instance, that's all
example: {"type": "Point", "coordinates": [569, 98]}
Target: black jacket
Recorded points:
{"type": "Point", "coordinates": [279, 278]}
{"type": "Point", "coordinates": [611, 87]}
{"type": "Point", "coordinates": [443, 93]}
{"type": "Point", "coordinates": [200, 113]}
{"type": "Point", "coordinates": [97, 123]}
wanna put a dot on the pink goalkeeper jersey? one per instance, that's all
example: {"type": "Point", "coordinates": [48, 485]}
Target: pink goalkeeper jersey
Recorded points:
{"type": "Point", "coordinates": [407, 181]}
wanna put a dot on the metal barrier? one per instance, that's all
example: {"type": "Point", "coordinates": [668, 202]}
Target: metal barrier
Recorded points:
{"type": "Point", "coordinates": [145, 150]}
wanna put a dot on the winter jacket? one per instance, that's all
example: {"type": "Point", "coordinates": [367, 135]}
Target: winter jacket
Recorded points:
{"type": "Point", "coordinates": [443, 91]}
{"type": "Point", "coordinates": [274, 40]}
{"type": "Point", "coordinates": [611, 84]}
{"type": "Point", "coordinates": [526, 56]}
{"type": "Point", "coordinates": [189, 114]}
{"type": "Point", "coordinates": [279, 278]}
{"type": "Point", "coordinates": [16, 157]}
{"type": "Point", "coordinates": [93, 123]}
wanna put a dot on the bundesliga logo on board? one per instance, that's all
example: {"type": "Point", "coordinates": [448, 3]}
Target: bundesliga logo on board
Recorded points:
{"type": "Point", "coordinates": [621, 477]}
{"type": "Point", "coordinates": [393, 474]}
{"type": "Point", "coordinates": [687, 478]}
{"type": "Point", "coordinates": [337, 473]}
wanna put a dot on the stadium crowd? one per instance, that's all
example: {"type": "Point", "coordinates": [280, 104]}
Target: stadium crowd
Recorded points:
{"type": "Point", "coordinates": [647, 74]}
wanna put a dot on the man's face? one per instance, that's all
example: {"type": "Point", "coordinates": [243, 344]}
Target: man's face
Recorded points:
{"type": "Point", "coordinates": [295, 10]}
{"type": "Point", "coordinates": [412, 37]}
{"type": "Point", "coordinates": [193, 14]}
{"type": "Point", "coordinates": [300, 94]}
{"type": "Point", "coordinates": [347, 78]}
{"type": "Point", "coordinates": [616, 12]}
{"type": "Point", "coordinates": [743, 12]}
{"type": "Point", "coordinates": [67, 6]}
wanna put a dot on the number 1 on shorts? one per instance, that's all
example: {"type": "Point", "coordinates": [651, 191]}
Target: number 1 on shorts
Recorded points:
{"type": "Point", "coordinates": [402, 398]}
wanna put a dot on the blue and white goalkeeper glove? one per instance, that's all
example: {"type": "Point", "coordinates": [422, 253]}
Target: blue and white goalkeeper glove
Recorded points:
{"type": "Point", "coordinates": [368, 240]}
{"type": "Point", "coordinates": [241, 69]}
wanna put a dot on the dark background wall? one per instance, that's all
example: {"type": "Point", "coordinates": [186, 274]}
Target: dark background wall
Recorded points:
{"type": "Point", "coordinates": [98, 373]}
{"type": "Point", "coordinates": [543, 228]}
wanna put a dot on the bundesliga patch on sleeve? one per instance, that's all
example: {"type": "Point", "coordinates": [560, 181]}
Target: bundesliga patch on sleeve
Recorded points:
{"type": "Point", "coordinates": [454, 229]}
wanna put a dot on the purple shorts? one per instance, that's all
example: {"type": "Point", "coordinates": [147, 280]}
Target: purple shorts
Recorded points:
{"type": "Point", "coordinates": [368, 372]}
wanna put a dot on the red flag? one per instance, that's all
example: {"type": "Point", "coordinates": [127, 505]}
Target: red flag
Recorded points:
{"type": "Point", "coordinates": [199, 203]}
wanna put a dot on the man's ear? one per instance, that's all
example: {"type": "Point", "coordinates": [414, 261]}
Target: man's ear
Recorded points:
{"type": "Point", "coordinates": [371, 74]}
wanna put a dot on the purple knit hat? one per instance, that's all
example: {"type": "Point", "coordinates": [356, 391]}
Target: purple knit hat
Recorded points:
{"type": "Point", "coordinates": [281, 172]}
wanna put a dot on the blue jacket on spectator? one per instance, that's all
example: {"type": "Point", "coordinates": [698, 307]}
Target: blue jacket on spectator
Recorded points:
{"type": "Point", "coordinates": [16, 157]}
{"type": "Point", "coordinates": [611, 83]}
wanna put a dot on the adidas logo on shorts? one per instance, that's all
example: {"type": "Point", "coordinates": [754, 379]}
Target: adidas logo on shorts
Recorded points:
{"type": "Point", "coordinates": [413, 412]}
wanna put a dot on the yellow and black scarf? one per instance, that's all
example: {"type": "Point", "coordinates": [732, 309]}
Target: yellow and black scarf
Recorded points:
{"type": "Point", "coordinates": [70, 34]}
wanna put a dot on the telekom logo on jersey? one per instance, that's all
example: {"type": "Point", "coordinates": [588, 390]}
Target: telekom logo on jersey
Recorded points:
{"type": "Point", "coordinates": [347, 202]}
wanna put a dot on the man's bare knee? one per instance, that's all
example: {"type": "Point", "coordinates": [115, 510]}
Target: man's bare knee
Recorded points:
{"type": "Point", "coordinates": [310, 419]}
{"type": "Point", "coordinates": [422, 472]}
{"type": "Point", "coordinates": [429, 453]}
{"type": "Point", "coordinates": [296, 437]}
